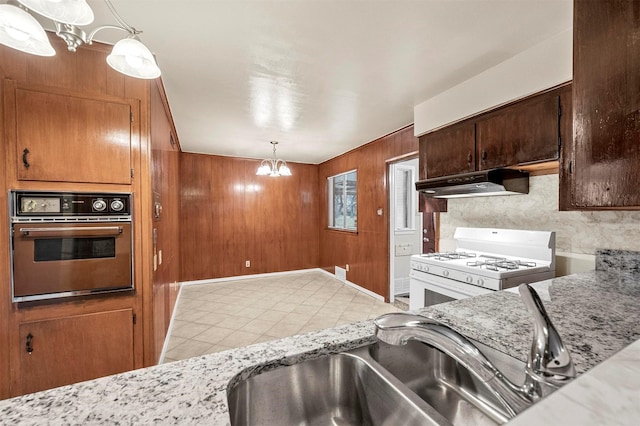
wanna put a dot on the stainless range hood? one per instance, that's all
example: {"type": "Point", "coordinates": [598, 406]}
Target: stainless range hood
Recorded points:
{"type": "Point", "coordinates": [476, 184]}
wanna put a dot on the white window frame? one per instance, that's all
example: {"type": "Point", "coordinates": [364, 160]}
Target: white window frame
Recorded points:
{"type": "Point", "coordinates": [330, 199]}
{"type": "Point", "coordinates": [409, 195]}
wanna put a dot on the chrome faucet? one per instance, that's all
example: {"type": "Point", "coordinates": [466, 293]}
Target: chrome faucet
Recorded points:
{"type": "Point", "coordinates": [549, 365]}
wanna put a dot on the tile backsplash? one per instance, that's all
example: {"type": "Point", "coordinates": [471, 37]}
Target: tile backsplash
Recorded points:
{"type": "Point", "coordinates": [578, 234]}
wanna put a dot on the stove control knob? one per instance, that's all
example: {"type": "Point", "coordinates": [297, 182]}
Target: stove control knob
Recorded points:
{"type": "Point", "coordinates": [469, 279]}
{"type": "Point", "coordinates": [445, 273]}
{"type": "Point", "coordinates": [117, 205]}
{"type": "Point", "coordinates": [99, 205]}
{"type": "Point", "coordinates": [480, 281]}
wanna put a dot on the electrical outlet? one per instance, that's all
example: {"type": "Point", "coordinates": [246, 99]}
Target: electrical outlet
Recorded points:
{"type": "Point", "coordinates": [247, 264]}
{"type": "Point", "coordinates": [347, 268]}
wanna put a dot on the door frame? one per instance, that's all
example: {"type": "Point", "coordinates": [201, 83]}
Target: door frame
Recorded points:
{"type": "Point", "coordinates": [391, 163]}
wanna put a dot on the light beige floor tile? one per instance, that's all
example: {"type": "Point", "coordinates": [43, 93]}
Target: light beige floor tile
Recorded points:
{"type": "Point", "coordinates": [219, 308]}
{"type": "Point", "coordinates": [258, 326]}
{"type": "Point", "coordinates": [271, 315]}
{"type": "Point", "coordinates": [284, 306]}
{"type": "Point", "coordinates": [212, 318]}
{"type": "Point", "coordinates": [306, 309]}
{"type": "Point", "coordinates": [354, 316]}
{"type": "Point", "coordinates": [187, 329]}
{"type": "Point", "coordinates": [250, 312]}
{"type": "Point", "coordinates": [213, 335]}
{"type": "Point", "coordinates": [240, 338]}
{"type": "Point", "coordinates": [234, 323]}
{"type": "Point", "coordinates": [293, 318]}
{"type": "Point", "coordinates": [332, 311]}
{"type": "Point", "coordinates": [283, 330]}
{"type": "Point", "coordinates": [189, 349]}
{"type": "Point", "coordinates": [175, 341]}
{"type": "Point", "coordinates": [190, 315]}
{"type": "Point", "coordinates": [263, 338]}
{"type": "Point", "coordinates": [217, 348]}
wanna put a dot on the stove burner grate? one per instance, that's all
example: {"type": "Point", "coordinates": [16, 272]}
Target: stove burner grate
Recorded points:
{"type": "Point", "coordinates": [497, 264]}
{"type": "Point", "coordinates": [451, 255]}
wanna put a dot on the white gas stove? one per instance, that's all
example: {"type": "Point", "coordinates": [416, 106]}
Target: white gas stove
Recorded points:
{"type": "Point", "coordinates": [485, 260]}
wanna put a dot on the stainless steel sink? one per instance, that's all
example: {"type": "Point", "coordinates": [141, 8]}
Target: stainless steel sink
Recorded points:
{"type": "Point", "coordinates": [342, 389]}
{"type": "Point", "coordinates": [378, 384]}
{"type": "Point", "coordinates": [444, 384]}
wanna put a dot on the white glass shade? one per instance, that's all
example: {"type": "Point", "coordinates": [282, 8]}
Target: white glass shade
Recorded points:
{"type": "Point", "coordinates": [284, 170]}
{"type": "Point", "coordinates": [21, 31]}
{"type": "Point", "coordinates": [263, 170]}
{"type": "Point", "coordinates": [74, 12]}
{"type": "Point", "coordinates": [130, 57]}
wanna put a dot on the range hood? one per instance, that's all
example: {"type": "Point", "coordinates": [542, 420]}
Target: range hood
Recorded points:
{"type": "Point", "coordinates": [476, 184]}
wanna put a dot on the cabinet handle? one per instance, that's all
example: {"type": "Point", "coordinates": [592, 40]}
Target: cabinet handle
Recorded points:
{"type": "Point", "coordinates": [469, 158]}
{"type": "Point", "coordinates": [29, 344]}
{"type": "Point", "coordinates": [25, 161]}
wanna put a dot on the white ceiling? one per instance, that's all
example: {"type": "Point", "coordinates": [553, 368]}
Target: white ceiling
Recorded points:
{"type": "Point", "coordinates": [320, 76]}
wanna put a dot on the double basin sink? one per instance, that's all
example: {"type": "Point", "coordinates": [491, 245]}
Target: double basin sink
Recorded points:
{"type": "Point", "coordinates": [379, 384]}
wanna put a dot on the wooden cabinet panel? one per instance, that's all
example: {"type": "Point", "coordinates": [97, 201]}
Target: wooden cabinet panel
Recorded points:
{"type": "Point", "coordinates": [60, 136]}
{"type": "Point", "coordinates": [526, 132]}
{"type": "Point", "coordinates": [448, 151]}
{"type": "Point", "coordinates": [61, 351]}
{"type": "Point", "coordinates": [606, 104]}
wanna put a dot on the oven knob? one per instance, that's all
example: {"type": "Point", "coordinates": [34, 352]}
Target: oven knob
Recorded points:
{"type": "Point", "coordinates": [445, 273]}
{"type": "Point", "coordinates": [99, 205]}
{"type": "Point", "coordinates": [117, 205]}
{"type": "Point", "coordinates": [425, 268]}
{"type": "Point", "coordinates": [469, 279]}
{"type": "Point", "coordinates": [480, 281]}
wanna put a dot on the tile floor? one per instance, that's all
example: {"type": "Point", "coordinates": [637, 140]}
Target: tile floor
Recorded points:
{"type": "Point", "coordinates": [219, 316]}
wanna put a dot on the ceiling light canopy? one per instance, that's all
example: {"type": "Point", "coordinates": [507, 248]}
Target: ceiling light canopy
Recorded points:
{"type": "Point", "coordinates": [19, 30]}
{"type": "Point", "coordinates": [273, 166]}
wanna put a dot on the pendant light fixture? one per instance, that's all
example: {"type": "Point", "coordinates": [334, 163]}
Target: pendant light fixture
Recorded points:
{"type": "Point", "coordinates": [273, 166]}
{"type": "Point", "coordinates": [19, 30]}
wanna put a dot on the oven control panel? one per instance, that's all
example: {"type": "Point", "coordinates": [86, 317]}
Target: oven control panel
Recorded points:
{"type": "Point", "coordinates": [70, 204]}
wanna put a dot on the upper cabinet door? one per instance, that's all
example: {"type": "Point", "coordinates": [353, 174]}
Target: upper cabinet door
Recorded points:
{"type": "Point", "coordinates": [448, 151]}
{"type": "Point", "coordinates": [606, 104]}
{"type": "Point", "coordinates": [60, 136]}
{"type": "Point", "coordinates": [525, 132]}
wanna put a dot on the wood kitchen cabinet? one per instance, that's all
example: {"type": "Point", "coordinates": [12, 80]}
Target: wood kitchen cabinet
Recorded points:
{"type": "Point", "coordinates": [521, 133]}
{"type": "Point", "coordinates": [603, 160]}
{"type": "Point", "coordinates": [60, 351]}
{"type": "Point", "coordinates": [59, 135]}
{"type": "Point", "coordinates": [449, 151]}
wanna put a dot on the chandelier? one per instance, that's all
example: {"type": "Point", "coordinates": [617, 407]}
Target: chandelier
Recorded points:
{"type": "Point", "coordinates": [20, 30]}
{"type": "Point", "coordinates": [272, 166]}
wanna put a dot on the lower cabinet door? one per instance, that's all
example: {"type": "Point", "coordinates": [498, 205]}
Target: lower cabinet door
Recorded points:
{"type": "Point", "coordinates": [67, 350]}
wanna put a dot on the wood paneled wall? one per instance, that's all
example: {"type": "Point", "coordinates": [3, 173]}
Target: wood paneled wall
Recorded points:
{"type": "Point", "coordinates": [367, 251]}
{"type": "Point", "coordinates": [229, 215]}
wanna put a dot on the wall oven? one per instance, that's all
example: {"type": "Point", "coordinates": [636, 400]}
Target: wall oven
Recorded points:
{"type": "Point", "coordinates": [70, 244]}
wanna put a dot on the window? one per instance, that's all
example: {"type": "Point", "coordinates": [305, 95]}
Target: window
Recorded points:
{"type": "Point", "coordinates": [343, 201]}
{"type": "Point", "coordinates": [404, 198]}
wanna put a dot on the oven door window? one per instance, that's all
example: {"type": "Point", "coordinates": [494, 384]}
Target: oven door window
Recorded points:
{"type": "Point", "coordinates": [55, 249]}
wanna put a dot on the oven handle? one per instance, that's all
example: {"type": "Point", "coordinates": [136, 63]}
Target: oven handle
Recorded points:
{"type": "Point", "coordinates": [74, 231]}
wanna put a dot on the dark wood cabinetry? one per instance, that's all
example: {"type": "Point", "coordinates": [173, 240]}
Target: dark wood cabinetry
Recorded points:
{"type": "Point", "coordinates": [603, 161]}
{"type": "Point", "coordinates": [449, 151]}
{"type": "Point", "coordinates": [60, 351]}
{"type": "Point", "coordinates": [521, 133]}
{"type": "Point", "coordinates": [525, 132]}
{"type": "Point", "coordinates": [60, 135]}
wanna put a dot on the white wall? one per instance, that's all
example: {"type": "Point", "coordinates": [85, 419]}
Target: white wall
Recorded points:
{"type": "Point", "coordinates": [578, 234]}
{"type": "Point", "coordinates": [540, 67]}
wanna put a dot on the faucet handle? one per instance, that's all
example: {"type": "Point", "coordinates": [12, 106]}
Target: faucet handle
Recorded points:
{"type": "Point", "coordinates": [549, 359]}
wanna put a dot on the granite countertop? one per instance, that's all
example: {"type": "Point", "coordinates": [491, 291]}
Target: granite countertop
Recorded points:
{"type": "Point", "coordinates": [597, 314]}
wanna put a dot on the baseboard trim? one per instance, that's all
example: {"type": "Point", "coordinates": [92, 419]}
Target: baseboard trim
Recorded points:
{"type": "Point", "coordinates": [248, 277]}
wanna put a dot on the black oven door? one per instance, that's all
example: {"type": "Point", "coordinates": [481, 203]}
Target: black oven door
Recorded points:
{"type": "Point", "coordinates": [66, 259]}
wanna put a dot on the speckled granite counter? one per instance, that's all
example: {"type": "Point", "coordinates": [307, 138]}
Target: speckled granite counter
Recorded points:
{"type": "Point", "coordinates": [597, 314]}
